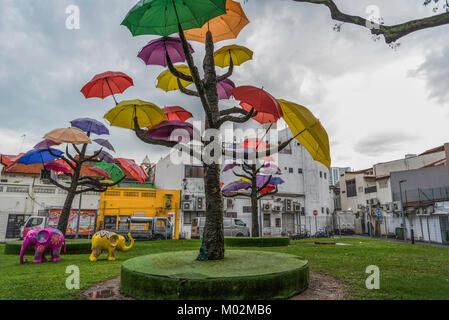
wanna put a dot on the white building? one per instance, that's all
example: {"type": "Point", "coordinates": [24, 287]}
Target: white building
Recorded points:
{"type": "Point", "coordinates": [305, 191]}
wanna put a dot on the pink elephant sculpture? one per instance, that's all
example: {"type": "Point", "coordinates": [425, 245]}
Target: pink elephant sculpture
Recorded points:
{"type": "Point", "coordinates": [43, 239]}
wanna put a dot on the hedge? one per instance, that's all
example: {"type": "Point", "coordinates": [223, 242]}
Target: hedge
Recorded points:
{"type": "Point", "coordinates": [72, 247]}
{"type": "Point", "coordinates": [257, 242]}
{"type": "Point", "coordinates": [153, 285]}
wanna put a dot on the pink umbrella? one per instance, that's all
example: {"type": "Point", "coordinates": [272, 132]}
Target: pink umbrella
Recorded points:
{"type": "Point", "coordinates": [137, 172]}
{"type": "Point", "coordinates": [223, 88]}
{"type": "Point", "coordinates": [46, 144]}
{"type": "Point", "coordinates": [154, 53]}
{"type": "Point", "coordinates": [270, 168]}
{"type": "Point", "coordinates": [58, 166]}
{"type": "Point", "coordinates": [101, 172]}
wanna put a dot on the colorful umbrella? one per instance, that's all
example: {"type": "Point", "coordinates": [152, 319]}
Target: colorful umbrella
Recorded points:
{"type": "Point", "coordinates": [223, 88]}
{"type": "Point", "coordinates": [68, 135]}
{"type": "Point", "coordinates": [148, 114]}
{"type": "Point", "coordinates": [261, 180]}
{"type": "Point", "coordinates": [259, 99]}
{"type": "Point", "coordinates": [235, 186]}
{"type": "Point", "coordinates": [176, 113]}
{"type": "Point", "coordinates": [162, 17]}
{"type": "Point", "coordinates": [226, 26]}
{"type": "Point", "coordinates": [270, 168]}
{"type": "Point", "coordinates": [168, 82]}
{"type": "Point", "coordinates": [136, 171]}
{"type": "Point", "coordinates": [261, 117]}
{"type": "Point", "coordinates": [308, 131]}
{"type": "Point", "coordinates": [239, 55]}
{"type": "Point", "coordinates": [90, 125]}
{"type": "Point", "coordinates": [154, 53]}
{"type": "Point", "coordinates": [100, 171]}
{"type": "Point", "coordinates": [276, 181]}
{"type": "Point", "coordinates": [10, 160]}
{"type": "Point", "coordinates": [229, 166]}
{"type": "Point", "coordinates": [253, 143]}
{"type": "Point", "coordinates": [58, 166]}
{"type": "Point", "coordinates": [105, 143]}
{"type": "Point", "coordinates": [244, 179]}
{"type": "Point", "coordinates": [171, 129]}
{"type": "Point", "coordinates": [269, 188]}
{"type": "Point", "coordinates": [105, 84]}
{"type": "Point", "coordinates": [104, 156]}
{"type": "Point", "coordinates": [268, 159]}
{"type": "Point", "coordinates": [46, 144]}
{"type": "Point", "coordinates": [114, 171]}
{"type": "Point", "coordinates": [41, 155]}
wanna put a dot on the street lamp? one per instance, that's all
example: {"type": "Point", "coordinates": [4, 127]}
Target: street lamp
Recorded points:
{"type": "Point", "coordinates": [402, 208]}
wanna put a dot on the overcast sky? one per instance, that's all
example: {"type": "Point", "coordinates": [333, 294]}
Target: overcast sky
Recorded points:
{"type": "Point", "coordinates": [377, 104]}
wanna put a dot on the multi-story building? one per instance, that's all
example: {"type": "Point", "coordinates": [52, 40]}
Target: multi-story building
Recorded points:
{"type": "Point", "coordinates": [335, 173]}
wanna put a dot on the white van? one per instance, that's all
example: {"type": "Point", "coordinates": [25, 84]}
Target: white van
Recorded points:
{"type": "Point", "coordinates": [233, 227]}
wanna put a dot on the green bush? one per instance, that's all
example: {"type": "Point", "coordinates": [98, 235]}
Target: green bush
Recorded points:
{"type": "Point", "coordinates": [72, 247]}
{"type": "Point", "coordinates": [257, 242]}
{"type": "Point", "coordinates": [143, 278]}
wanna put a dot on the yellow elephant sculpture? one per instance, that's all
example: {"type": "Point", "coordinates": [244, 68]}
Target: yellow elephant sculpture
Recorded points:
{"type": "Point", "coordinates": [103, 241]}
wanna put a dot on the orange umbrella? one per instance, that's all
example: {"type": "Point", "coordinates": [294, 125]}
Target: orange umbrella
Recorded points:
{"type": "Point", "coordinates": [68, 135]}
{"type": "Point", "coordinates": [136, 171]}
{"type": "Point", "coordinates": [223, 27]}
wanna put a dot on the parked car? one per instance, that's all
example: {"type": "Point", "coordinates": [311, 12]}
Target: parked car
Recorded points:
{"type": "Point", "coordinates": [233, 227]}
{"type": "Point", "coordinates": [148, 228]}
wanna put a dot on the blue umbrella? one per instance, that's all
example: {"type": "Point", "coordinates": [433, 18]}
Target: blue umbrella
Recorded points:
{"type": "Point", "coordinates": [90, 125]}
{"type": "Point", "coordinates": [276, 181]}
{"type": "Point", "coordinates": [41, 155]}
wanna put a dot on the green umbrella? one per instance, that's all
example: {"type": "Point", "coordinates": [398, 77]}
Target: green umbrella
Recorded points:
{"type": "Point", "coordinates": [160, 17]}
{"type": "Point", "coordinates": [114, 171]}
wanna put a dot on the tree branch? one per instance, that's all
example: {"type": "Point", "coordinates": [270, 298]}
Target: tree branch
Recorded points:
{"type": "Point", "coordinates": [241, 175]}
{"type": "Point", "coordinates": [227, 74]}
{"type": "Point", "coordinates": [178, 74]}
{"type": "Point", "coordinates": [238, 194]}
{"type": "Point", "coordinates": [243, 119]}
{"type": "Point", "coordinates": [391, 33]}
{"type": "Point", "coordinates": [187, 91]}
{"type": "Point", "coordinates": [63, 187]}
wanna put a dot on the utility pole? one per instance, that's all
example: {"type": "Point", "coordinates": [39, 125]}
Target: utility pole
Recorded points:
{"type": "Point", "coordinates": [79, 216]}
{"type": "Point", "coordinates": [402, 209]}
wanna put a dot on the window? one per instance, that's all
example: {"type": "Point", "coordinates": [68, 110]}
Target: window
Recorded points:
{"type": "Point", "coordinates": [278, 222]}
{"type": "Point", "coordinates": [351, 190]}
{"type": "Point", "coordinates": [230, 214]}
{"type": "Point", "coordinates": [321, 174]}
{"type": "Point", "coordinates": [61, 191]}
{"type": "Point", "coordinates": [322, 209]}
{"type": "Point", "coordinates": [383, 184]}
{"type": "Point", "coordinates": [194, 172]}
{"type": "Point", "coordinates": [266, 221]}
{"type": "Point", "coordinates": [151, 194]}
{"type": "Point", "coordinates": [123, 222]}
{"type": "Point", "coordinates": [131, 194]}
{"type": "Point", "coordinates": [33, 222]}
{"type": "Point", "coordinates": [188, 217]}
{"type": "Point", "coordinates": [371, 189]}
{"type": "Point", "coordinates": [45, 190]}
{"type": "Point", "coordinates": [21, 189]}
{"type": "Point", "coordinates": [239, 223]}
{"type": "Point", "coordinates": [92, 193]}
{"type": "Point", "coordinates": [4, 180]}
{"type": "Point", "coordinates": [300, 170]}
{"type": "Point", "coordinates": [113, 193]}
{"type": "Point", "coordinates": [290, 170]}
{"type": "Point", "coordinates": [325, 175]}
{"type": "Point", "coordinates": [246, 209]}
{"type": "Point", "coordinates": [1, 188]}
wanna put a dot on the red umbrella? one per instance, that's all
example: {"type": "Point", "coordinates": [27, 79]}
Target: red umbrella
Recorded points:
{"type": "Point", "coordinates": [258, 99]}
{"type": "Point", "coordinates": [106, 84]}
{"type": "Point", "coordinates": [58, 166]}
{"type": "Point", "coordinates": [267, 189]}
{"type": "Point", "coordinates": [177, 113]}
{"type": "Point", "coordinates": [253, 143]}
{"type": "Point", "coordinates": [136, 171]}
{"type": "Point", "coordinates": [268, 159]}
{"type": "Point", "coordinates": [261, 117]}
{"type": "Point", "coordinates": [101, 172]}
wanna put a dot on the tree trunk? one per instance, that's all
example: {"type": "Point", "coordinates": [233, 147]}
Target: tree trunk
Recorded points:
{"type": "Point", "coordinates": [254, 214]}
{"type": "Point", "coordinates": [64, 217]}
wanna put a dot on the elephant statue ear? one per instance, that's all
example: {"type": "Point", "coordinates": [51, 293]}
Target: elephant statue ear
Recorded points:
{"type": "Point", "coordinates": [42, 236]}
{"type": "Point", "coordinates": [114, 239]}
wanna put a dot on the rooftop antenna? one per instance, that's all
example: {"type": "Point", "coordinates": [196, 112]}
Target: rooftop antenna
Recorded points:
{"type": "Point", "coordinates": [21, 144]}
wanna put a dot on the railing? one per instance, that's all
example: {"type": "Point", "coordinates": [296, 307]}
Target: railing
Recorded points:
{"type": "Point", "coordinates": [420, 197]}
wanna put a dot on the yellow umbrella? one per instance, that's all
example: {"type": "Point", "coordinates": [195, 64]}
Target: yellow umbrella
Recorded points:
{"type": "Point", "coordinates": [244, 180]}
{"type": "Point", "coordinates": [226, 26]}
{"type": "Point", "coordinates": [239, 54]}
{"type": "Point", "coordinates": [148, 114]}
{"type": "Point", "coordinates": [308, 131]}
{"type": "Point", "coordinates": [168, 82]}
{"type": "Point", "coordinates": [68, 135]}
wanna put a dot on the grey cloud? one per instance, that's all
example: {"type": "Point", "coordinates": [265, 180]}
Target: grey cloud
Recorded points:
{"type": "Point", "coordinates": [381, 143]}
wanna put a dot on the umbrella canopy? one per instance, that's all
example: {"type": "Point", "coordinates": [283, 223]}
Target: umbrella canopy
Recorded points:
{"type": "Point", "coordinates": [224, 87]}
{"type": "Point", "coordinates": [136, 171]}
{"type": "Point", "coordinates": [68, 135]}
{"type": "Point", "coordinates": [276, 181]}
{"type": "Point", "coordinates": [308, 131]}
{"type": "Point", "coordinates": [268, 159]}
{"type": "Point", "coordinates": [58, 166]}
{"type": "Point", "coordinates": [105, 84]}
{"type": "Point", "coordinates": [176, 113]}
{"type": "Point", "coordinates": [259, 99]}
{"type": "Point", "coordinates": [41, 155]}
{"type": "Point", "coordinates": [244, 179]}
{"type": "Point", "coordinates": [100, 171]}
{"type": "Point", "coordinates": [226, 26]}
{"type": "Point", "coordinates": [104, 143]}
{"type": "Point", "coordinates": [253, 143]}
{"type": "Point", "coordinates": [172, 130]}
{"type": "Point", "coordinates": [46, 144]}
{"type": "Point", "coordinates": [239, 55]}
{"type": "Point", "coordinates": [168, 82]}
{"type": "Point", "coordinates": [154, 53]}
{"type": "Point", "coordinates": [261, 180]}
{"type": "Point", "coordinates": [235, 186]}
{"type": "Point", "coordinates": [270, 168]}
{"type": "Point", "coordinates": [229, 166]}
{"type": "Point", "coordinates": [90, 125]}
{"type": "Point", "coordinates": [112, 169]}
{"type": "Point", "coordinates": [161, 17]}
{"type": "Point", "coordinates": [261, 117]}
{"type": "Point", "coordinates": [148, 114]}
{"type": "Point", "coordinates": [269, 188]}
{"type": "Point", "coordinates": [105, 156]}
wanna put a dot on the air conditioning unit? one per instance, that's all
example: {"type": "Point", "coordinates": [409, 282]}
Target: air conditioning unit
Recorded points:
{"type": "Point", "coordinates": [187, 197]}
{"type": "Point", "coordinates": [200, 205]}
{"type": "Point", "coordinates": [187, 206]}
{"type": "Point", "coordinates": [297, 207]}
{"type": "Point", "coordinates": [287, 205]}
{"type": "Point", "coordinates": [277, 208]}
{"type": "Point", "coordinates": [267, 206]}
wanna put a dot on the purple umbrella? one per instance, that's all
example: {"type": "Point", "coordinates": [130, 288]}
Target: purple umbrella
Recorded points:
{"type": "Point", "coordinates": [276, 181]}
{"type": "Point", "coordinates": [167, 131]}
{"type": "Point", "coordinates": [105, 143]}
{"type": "Point", "coordinates": [90, 125]}
{"type": "Point", "coordinates": [154, 53]}
{"type": "Point", "coordinates": [106, 157]}
{"type": "Point", "coordinates": [236, 185]}
{"type": "Point", "coordinates": [270, 168]}
{"type": "Point", "coordinates": [223, 88]}
{"type": "Point", "coordinates": [45, 144]}
{"type": "Point", "coordinates": [230, 166]}
{"type": "Point", "coordinates": [261, 180]}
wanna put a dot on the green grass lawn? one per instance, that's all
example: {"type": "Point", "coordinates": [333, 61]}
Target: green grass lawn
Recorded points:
{"type": "Point", "coordinates": [406, 271]}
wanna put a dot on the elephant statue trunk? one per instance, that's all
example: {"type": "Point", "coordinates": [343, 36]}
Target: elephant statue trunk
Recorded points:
{"type": "Point", "coordinates": [123, 247]}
